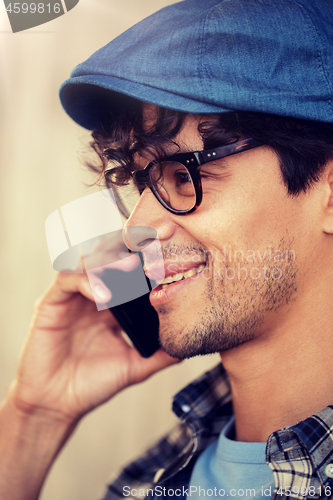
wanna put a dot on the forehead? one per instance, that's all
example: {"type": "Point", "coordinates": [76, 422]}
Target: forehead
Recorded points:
{"type": "Point", "coordinates": [187, 139]}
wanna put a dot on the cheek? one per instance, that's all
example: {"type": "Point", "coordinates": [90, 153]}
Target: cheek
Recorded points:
{"type": "Point", "coordinates": [247, 217]}
{"type": "Point", "coordinates": [248, 207]}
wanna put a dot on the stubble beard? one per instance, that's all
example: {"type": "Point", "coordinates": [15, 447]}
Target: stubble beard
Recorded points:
{"type": "Point", "coordinates": [233, 314]}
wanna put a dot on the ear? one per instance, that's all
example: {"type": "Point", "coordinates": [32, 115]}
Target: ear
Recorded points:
{"type": "Point", "coordinates": [328, 182]}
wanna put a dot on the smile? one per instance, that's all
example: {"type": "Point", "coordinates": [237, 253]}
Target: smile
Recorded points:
{"type": "Point", "coordinates": [181, 276]}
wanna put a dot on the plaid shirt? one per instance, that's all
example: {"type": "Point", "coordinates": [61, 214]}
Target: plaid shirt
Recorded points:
{"type": "Point", "coordinates": [300, 456]}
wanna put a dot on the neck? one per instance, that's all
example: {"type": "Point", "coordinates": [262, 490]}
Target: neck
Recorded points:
{"type": "Point", "coordinates": [284, 375]}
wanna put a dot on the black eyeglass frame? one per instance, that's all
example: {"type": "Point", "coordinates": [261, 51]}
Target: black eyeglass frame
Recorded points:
{"type": "Point", "coordinates": [192, 161]}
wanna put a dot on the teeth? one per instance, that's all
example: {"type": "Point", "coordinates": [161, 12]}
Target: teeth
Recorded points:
{"type": "Point", "coordinates": [170, 279]}
{"type": "Point", "coordinates": [182, 276]}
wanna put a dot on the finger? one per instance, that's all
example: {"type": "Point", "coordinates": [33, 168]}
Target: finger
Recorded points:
{"type": "Point", "coordinates": [102, 289]}
{"type": "Point", "coordinates": [101, 293]}
{"type": "Point", "coordinates": [110, 248]}
{"type": "Point", "coordinates": [127, 264]}
{"type": "Point", "coordinates": [161, 358]}
{"type": "Point", "coordinates": [148, 366]}
{"type": "Point", "coordinates": [67, 285]}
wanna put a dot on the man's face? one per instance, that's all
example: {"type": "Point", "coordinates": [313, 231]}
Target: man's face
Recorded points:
{"type": "Point", "coordinates": [247, 239]}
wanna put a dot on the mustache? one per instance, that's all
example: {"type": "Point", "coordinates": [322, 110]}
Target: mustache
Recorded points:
{"type": "Point", "coordinates": [171, 252]}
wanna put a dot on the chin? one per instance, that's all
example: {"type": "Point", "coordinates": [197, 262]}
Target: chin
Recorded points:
{"type": "Point", "coordinates": [199, 342]}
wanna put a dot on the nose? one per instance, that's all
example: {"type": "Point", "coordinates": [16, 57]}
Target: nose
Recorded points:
{"type": "Point", "coordinates": [137, 238]}
{"type": "Point", "coordinates": [149, 221]}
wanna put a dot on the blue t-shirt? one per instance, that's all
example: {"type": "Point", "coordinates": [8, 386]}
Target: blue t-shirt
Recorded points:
{"type": "Point", "coordinates": [233, 469]}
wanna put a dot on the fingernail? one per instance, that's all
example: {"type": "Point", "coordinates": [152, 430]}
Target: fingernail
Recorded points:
{"type": "Point", "coordinates": [101, 292]}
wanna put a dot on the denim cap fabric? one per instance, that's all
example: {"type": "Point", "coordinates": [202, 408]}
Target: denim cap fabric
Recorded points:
{"type": "Point", "coordinates": [209, 56]}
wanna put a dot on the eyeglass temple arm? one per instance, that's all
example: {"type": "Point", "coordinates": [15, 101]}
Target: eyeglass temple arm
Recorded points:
{"type": "Point", "coordinates": [228, 150]}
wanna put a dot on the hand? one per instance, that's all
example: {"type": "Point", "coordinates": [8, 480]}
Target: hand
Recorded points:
{"type": "Point", "coordinates": [75, 357]}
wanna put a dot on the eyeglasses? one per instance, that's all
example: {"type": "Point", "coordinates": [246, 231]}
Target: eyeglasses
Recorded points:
{"type": "Point", "coordinates": [175, 180]}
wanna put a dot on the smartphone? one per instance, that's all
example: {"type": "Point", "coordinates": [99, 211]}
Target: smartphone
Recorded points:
{"type": "Point", "coordinates": [137, 317]}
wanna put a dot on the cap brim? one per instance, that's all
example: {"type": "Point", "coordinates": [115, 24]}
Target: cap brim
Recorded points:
{"type": "Point", "coordinates": [88, 98]}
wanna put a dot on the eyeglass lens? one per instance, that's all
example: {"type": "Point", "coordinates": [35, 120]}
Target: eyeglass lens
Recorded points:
{"type": "Point", "coordinates": [170, 180]}
{"type": "Point", "coordinates": [174, 185]}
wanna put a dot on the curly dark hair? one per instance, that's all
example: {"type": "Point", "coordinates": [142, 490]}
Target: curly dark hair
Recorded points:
{"type": "Point", "coordinates": [303, 146]}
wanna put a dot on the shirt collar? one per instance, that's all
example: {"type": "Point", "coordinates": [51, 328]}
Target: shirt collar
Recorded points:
{"type": "Point", "coordinates": [311, 439]}
{"type": "Point", "coordinates": [204, 396]}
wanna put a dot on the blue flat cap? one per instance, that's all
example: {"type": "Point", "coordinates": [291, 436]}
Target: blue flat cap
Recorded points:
{"type": "Point", "coordinates": [209, 56]}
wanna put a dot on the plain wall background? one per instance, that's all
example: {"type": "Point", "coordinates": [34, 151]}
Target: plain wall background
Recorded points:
{"type": "Point", "coordinates": [40, 150]}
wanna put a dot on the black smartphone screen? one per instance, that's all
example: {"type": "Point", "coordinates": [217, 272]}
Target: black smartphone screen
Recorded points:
{"type": "Point", "coordinates": [137, 317]}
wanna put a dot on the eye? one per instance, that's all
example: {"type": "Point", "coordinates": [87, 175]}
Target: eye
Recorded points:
{"type": "Point", "coordinates": [181, 177]}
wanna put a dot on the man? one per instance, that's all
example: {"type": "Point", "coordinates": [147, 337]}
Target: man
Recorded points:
{"type": "Point", "coordinates": [246, 234]}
